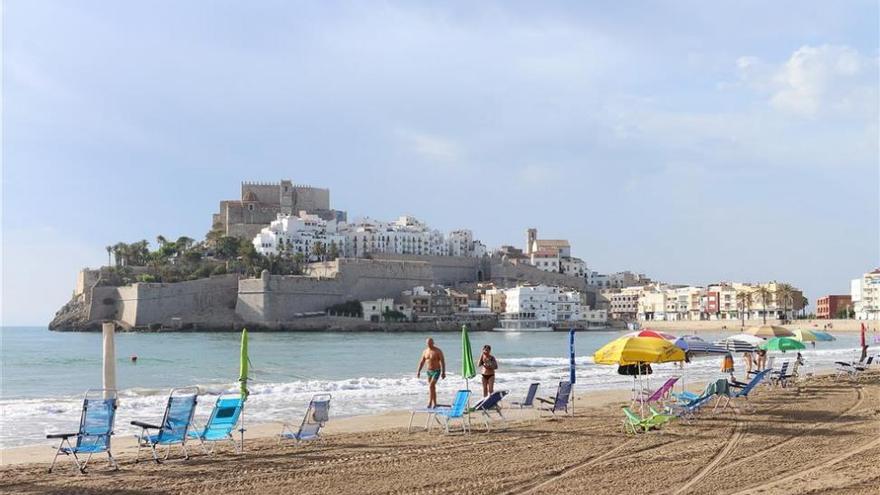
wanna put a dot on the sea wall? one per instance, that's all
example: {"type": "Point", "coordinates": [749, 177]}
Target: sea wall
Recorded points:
{"type": "Point", "coordinates": [271, 299]}
{"type": "Point", "coordinates": [447, 270]}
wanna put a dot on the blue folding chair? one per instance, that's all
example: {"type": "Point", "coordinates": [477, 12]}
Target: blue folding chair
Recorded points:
{"type": "Point", "coordinates": [95, 429]}
{"type": "Point", "coordinates": [317, 415]}
{"type": "Point", "coordinates": [179, 413]}
{"type": "Point", "coordinates": [490, 403]}
{"type": "Point", "coordinates": [224, 417]}
{"type": "Point", "coordinates": [444, 414]}
{"type": "Point", "coordinates": [560, 402]}
{"type": "Point", "coordinates": [745, 391]}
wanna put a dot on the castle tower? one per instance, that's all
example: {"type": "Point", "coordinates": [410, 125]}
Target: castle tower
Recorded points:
{"type": "Point", "coordinates": [286, 198]}
{"type": "Point", "coordinates": [531, 237]}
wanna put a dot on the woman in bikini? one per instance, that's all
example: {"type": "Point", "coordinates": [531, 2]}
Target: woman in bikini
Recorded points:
{"type": "Point", "coordinates": [488, 365]}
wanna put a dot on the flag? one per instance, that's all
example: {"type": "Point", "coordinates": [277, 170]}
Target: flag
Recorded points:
{"type": "Point", "coordinates": [571, 366]}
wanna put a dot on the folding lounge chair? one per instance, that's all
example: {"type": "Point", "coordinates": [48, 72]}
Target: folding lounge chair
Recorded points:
{"type": "Point", "coordinates": [529, 401]}
{"type": "Point", "coordinates": [780, 377]}
{"type": "Point", "coordinates": [858, 369]}
{"type": "Point", "coordinates": [746, 390]}
{"type": "Point", "coordinates": [173, 430]}
{"type": "Point", "coordinates": [458, 410]}
{"type": "Point", "coordinates": [490, 403]}
{"type": "Point", "coordinates": [632, 422]}
{"type": "Point", "coordinates": [560, 402]}
{"type": "Point", "coordinates": [95, 429]}
{"type": "Point", "coordinates": [689, 406]}
{"type": "Point", "coordinates": [661, 392]}
{"type": "Point", "coordinates": [220, 424]}
{"type": "Point", "coordinates": [317, 414]}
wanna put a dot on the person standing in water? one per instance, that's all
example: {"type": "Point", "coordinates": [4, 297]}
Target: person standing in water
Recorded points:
{"type": "Point", "coordinates": [488, 364]}
{"type": "Point", "coordinates": [436, 364]}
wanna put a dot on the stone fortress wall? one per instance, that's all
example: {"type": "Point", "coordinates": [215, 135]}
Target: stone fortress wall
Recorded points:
{"type": "Point", "coordinates": [271, 300]}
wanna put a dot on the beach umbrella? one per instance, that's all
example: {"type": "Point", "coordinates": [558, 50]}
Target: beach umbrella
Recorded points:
{"type": "Point", "coordinates": [468, 370]}
{"type": "Point", "coordinates": [696, 346]}
{"type": "Point", "coordinates": [740, 343]}
{"type": "Point", "coordinates": [782, 344]}
{"type": "Point", "coordinates": [244, 362]}
{"type": "Point", "coordinates": [823, 336]}
{"type": "Point", "coordinates": [572, 375]}
{"type": "Point", "coordinates": [633, 350]}
{"type": "Point", "coordinates": [769, 331]}
{"type": "Point", "coordinates": [653, 334]}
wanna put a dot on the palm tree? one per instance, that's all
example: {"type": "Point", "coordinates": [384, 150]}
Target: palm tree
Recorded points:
{"type": "Point", "coordinates": [161, 240]}
{"type": "Point", "coordinates": [785, 292]}
{"type": "Point", "coordinates": [109, 250]}
{"type": "Point", "coordinates": [184, 243]}
{"type": "Point", "coordinates": [762, 294]}
{"type": "Point", "coordinates": [744, 303]}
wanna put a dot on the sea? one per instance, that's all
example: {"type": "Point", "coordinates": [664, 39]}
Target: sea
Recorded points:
{"type": "Point", "coordinates": [45, 373]}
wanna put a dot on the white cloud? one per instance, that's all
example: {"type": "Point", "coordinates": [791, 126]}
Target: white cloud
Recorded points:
{"type": "Point", "coordinates": [815, 80]}
{"type": "Point", "coordinates": [431, 146]}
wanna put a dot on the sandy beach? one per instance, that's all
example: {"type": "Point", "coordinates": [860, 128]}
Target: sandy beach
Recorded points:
{"type": "Point", "coordinates": [819, 436]}
{"type": "Point", "coordinates": [687, 326]}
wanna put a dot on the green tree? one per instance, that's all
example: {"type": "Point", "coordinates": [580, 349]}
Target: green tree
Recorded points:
{"type": "Point", "coordinates": [228, 247]}
{"type": "Point", "coordinates": [785, 294]}
{"type": "Point", "coordinates": [109, 251]}
{"type": "Point", "coordinates": [744, 303]}
{"type": "Point", "coordinates": [762, 294]}
{"type": "Point", "coordinates": [334, 251]}
{"type": "Point", "coordinates": [319, 250]}
{"type": "Point", "coordinates": [184, 244]}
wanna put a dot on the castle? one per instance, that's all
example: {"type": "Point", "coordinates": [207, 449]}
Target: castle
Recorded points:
{"type": "Point", "coordinates": [261, 203]}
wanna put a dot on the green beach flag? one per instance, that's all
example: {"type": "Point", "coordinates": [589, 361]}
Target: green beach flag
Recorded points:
{"type": "Point", "coordinates": [468, 370]}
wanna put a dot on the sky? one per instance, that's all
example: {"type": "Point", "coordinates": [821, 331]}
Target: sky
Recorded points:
{"type": "Point", "coordinates": [687, 140]}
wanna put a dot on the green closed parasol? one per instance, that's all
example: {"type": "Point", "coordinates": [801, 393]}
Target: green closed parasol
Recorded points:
{"type": "Point", "coordinates": [244, 361]}
{"type": "Point", "coordinates": [468, 370]}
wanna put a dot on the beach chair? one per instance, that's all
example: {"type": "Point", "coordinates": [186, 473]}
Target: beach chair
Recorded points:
{"type": "Point", "coordinates": [560, 402]}
{"type": "Point", "coordinates": [529, 401]}
{"type": "Point", "coordinates": [95, 429]}
{"type": "Point", "coordinates": [179, 411]}
{"type": "Point", "coordinates": [444, 414]}
{"type": "Point", "coordinates": [780, 377]}
{"type": "Point", "coordinates": [859, 369]}
{"type": "Point", "coordinates": [633, 423]}
{"type": "Point", "coordinates": [317, 415]}
{"type": "Point", "coordinates": [662, 392]}
{"type": "Point", "coordinates": [221, 424]}
{"type": "Point", "coordinates": [490, 403]}
{"type": "Point", "coordinates": [745, 390]}
{"type": "Point", "coordinates": [687, 408]}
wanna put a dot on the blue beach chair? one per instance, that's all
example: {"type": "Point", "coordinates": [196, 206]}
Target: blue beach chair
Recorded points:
{"type": "Point", "coordinates": [221, 423]}
{"type": "Point", "coordinates": [173, 430]}
{"type": "Point", "coordinates": [490, 403]}
{"type": "Point", "coordinates": [317, 414]}
{"type": "Point", "coordinates": [95, 429]}
{"type": "Point", "coordinates": [444, 414]}
{"type": "Point", "coordinates": [560, 402]}
{"type": "Point", "coordinates": [745, 391]}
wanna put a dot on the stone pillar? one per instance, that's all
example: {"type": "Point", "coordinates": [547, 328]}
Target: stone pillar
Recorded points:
{"type": "Point", "coordinates": [109, 371]}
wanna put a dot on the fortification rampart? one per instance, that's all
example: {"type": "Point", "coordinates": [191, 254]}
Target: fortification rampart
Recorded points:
{"type": "Point", "coordinates": [276, 298]}
{"type": "Point", "coordinates": [447, 270]}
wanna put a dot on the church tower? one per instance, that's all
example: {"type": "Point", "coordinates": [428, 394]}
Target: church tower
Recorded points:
{"type": "Point", "coordinates": [531, 237]}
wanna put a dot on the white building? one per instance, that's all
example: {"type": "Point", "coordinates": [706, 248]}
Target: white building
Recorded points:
{"type": "Point", "coordinates": [406, 235]}
{"type": "Point", "coordinates": [300, 234]}
{"type": "Point", "coordinates": [531, 302]}
{"type": "Point", "coordinates": [569, 306]}
{"type": "Point", "coordinates": [865, 293]}
{"type": "Point", "coordinates": [376, 310]}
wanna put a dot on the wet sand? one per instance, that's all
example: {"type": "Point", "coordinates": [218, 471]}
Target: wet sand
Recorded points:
{"type": "Point", "coordinates": [819, 436]}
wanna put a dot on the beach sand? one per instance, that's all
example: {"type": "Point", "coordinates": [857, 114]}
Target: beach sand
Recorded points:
{"type": "Point", "coordinates": [695, 326]}
{"type": "Point", "coordinates": [820, 436]}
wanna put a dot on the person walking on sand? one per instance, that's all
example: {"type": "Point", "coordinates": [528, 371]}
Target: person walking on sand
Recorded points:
{"type": "Point", "coordinates": [488, 364]}
{"type": "Point", "coordinates": [433, 357]}
{"type": "Point", "coordinates": [727, 364]}
{"type": "Point", "coordinates": [748, 360]}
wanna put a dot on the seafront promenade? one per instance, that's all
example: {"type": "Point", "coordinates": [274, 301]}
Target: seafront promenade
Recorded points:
{"type": "Point", "coordinates": [817, 436]}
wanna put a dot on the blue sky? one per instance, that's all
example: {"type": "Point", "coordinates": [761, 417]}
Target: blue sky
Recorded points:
{"type": "Point", "coordinates": [690, 141]}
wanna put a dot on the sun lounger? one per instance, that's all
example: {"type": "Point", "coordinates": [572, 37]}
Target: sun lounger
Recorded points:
{"type": "Point", "coordinates": [529, 401]}
{"type": "Point", "coordinates": [221, 423]}
{"type": "Point", "coordinates": [781, 377]}
{"type": "Point", "coordinates": [95, 429]}
{"type": "Point", "coordinates": [488, 404]}
{"type": "Point", "coordinates": [688, 407]}
{"type": "Point", "coordinates": [662, 392]}
{"type": "Point", "coordinates": [744, 390]}
{"type": "Point", "coordinates": [445, 414]}
{"type": "Point", "coordinates": [179, 411]}
{"type": "Point", "coordinates": [317, 415]}
{"type": "Point", "coordinates": [560, 402]}
{"type": "Point", "coordinates": [632, 422]}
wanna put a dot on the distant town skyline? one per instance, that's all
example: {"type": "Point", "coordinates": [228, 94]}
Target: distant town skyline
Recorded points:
{"type": "Point", "coordinates": [694, 143]}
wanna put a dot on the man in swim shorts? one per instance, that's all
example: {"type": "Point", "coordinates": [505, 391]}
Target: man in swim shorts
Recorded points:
{"type": "Point", "coordinates": [436, 364]}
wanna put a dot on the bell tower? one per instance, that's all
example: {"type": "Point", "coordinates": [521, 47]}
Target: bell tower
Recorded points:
{"type": "Point", "coordinates": [531, 237]}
